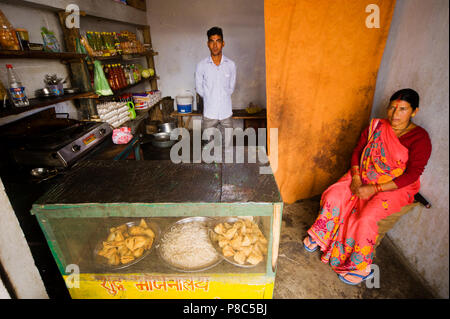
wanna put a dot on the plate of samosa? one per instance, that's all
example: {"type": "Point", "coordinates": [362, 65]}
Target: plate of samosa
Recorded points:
{"type": "Point", "coordinates": [126, 244]}
{"type": "Point", "coordinates": [240, 241]}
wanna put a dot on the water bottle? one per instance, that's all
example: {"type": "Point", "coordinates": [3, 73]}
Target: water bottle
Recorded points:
{"type": "Point", "coordinates": [16, 90]}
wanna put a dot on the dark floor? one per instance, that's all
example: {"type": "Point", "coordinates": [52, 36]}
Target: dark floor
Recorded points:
{"type": "Point", "coordinates": [301, 274]}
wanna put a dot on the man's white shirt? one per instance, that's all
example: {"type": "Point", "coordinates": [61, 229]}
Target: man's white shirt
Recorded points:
{"type": "Point", "coordinates": [215, 83]}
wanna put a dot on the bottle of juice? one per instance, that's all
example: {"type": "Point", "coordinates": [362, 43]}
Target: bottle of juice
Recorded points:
{"type": "Point", "coordinates": [123, 76]}
{"type": "Point", "coordinates": [16, 90]}
{"type": "Point", "coordinates": [123, 81]}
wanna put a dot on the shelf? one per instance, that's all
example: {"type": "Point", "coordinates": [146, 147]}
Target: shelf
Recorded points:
{"type": "Point", "coordinates": [9, 54]}
{"type": "Point", "coordinates": [126, 57]}
{"type": "Point", "coordinates": [37, 103]}
{"type": "Point", "coordinates": [118, 92]}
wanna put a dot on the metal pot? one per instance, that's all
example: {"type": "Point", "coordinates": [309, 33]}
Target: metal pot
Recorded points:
{"type": "Point", "coordinates": [161, 136]}
{"type": "Point", "coordinates": [166, 127]}
{"type": "Point", "coordinates": [162, 139]}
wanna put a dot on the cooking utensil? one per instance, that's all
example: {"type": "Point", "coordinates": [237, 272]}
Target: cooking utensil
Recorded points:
{"type": "Point", "coordinates": [162, 136]}
{"type": "Point", "coordinates": [44, 92]}
{"type": "Point", "coordinates": [71, 90]}
{"type": "Point", "coordinates": [166, 127]}
{"type": "Point", "coordinates": [162, 140]}
{"type": "Point", "coordinates": [208, 222]}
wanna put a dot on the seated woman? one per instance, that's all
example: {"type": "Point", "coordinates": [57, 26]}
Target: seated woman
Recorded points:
{"type": "Point", "coordinates": [384, 176]}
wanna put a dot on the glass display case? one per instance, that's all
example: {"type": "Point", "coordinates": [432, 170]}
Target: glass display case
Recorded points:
{"type": "Point", "coordinates": [156, 229]}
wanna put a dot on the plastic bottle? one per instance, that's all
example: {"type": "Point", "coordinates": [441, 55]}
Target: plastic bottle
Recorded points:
{"type": "Point", "coordinates": [123, 76]}
{"type": "Point", "coordinates": [135, 74]}
{"type": "Point", "coordinates": [16, 90]}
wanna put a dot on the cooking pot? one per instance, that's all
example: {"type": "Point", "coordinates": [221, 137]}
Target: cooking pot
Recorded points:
{"type": "Point", "coordinates": [166, 127]}
{"type": "Point", "coordinates": [162, 139]}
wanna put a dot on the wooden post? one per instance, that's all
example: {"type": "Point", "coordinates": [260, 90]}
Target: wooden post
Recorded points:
{"type": "Point", "coordinates": [276, 230]}
{"type": "Point", "coordinates": [79, 73]}
{"type": "Point", "coordinates": [150, 61]}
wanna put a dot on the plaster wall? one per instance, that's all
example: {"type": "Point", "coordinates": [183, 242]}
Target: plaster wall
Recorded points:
{"type": "Point", "coordinates": [178, 30]}
{"type": "Point", "coordinates": [417, 56]}
{"type": "Point", "coordinates": [16, 259]}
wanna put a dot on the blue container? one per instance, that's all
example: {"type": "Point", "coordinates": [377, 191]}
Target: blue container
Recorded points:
{"type": "Point", "coordinates": [184, 104]}
{"type": "Point", "coordinates": [186, 108]}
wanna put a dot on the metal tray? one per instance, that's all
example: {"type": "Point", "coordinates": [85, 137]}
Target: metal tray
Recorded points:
{"type": "Point", "coordinates": [103, 262]}
{"type": "Point", "coordinates": [209, 222]}
{"type": "Point", "coordinates": [232, 220]}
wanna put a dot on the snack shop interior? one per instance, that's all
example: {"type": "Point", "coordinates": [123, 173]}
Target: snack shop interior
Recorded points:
{"type": "Point", "coordinates": [113, 186]}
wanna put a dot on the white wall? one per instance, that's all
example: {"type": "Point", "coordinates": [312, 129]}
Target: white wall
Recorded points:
{"type": "Point", "coordinates": [178, 30]}
{"type": "Point", "coordinates": [417, 56]}
{"type": "Point", "coordinates": [15, 255]}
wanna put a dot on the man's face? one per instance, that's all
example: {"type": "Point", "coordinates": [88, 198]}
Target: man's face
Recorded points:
{"type": "Point", "coordinates": [215, 44]}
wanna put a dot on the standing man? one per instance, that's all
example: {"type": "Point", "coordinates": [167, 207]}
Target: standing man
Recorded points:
{"type": "Point", "coordinates": [215, 78]}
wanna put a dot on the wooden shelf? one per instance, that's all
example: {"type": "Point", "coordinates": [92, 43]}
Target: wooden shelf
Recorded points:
{"type": "Point", "coordinates": [41, 102]}
{"type": "Point", "coordinates": [237, 114]}
{"type": "Point", "coordinates": [126, 57]}
{"type": "Point", "coordinates": [9, 54]}
{"type": "Point", "coordinates": [118, 92]}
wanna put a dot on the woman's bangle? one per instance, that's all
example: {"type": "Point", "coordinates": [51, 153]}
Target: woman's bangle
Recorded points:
{"type": "Point", "coordinates": [355, 171]}
{"type": "Point", "coordinates": [378, 188]}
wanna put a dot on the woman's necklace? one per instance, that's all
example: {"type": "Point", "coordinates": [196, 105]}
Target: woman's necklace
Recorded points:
{"type": "Point", "coordinates": [403, 130]}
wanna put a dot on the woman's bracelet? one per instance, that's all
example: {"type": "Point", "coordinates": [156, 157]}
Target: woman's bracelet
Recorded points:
{"type": "Point", "coordinates": [355, 171]}
{"type": "Point", "coordinates": [378, 188]}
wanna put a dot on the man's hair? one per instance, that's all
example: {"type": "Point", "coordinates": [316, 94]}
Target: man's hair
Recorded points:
{"type": "Point", "coordinates": [214, 31]}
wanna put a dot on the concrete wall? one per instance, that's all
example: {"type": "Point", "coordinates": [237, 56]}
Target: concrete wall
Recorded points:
{"type": "Point", "coordinates": [15, 255]}
{"type": "Point", "coordinates": [178, 30]}
{"type": "Point", "coordinates": [417, 56]}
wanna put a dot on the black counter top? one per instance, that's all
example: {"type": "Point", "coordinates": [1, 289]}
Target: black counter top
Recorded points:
{"type": "Point", "coordinates": [162, 181]}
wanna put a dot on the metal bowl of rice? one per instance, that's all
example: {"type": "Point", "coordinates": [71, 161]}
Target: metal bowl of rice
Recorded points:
{"type": "Point", "coordinates": [185, 246]}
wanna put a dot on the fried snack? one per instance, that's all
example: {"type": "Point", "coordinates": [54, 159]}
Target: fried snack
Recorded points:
{"type": "Point", "coordinates": [125, 259]}
{"type": "Point", "coordinates": [223, 242]}
{"type": "Point", "coordinates": [254, 259]}
{"type": "Point", "coordinates": [242, 240]}
{"type": "Point", "coordinates": [143, 224]}
{"type": "Point", "coordinates": [136, 230]}
{"type": "Point", "coordinates": [228, 251]}
{"type": "Point", "coordinates": [230, 233]}
{"type": "Point", "coordinates": [124, 244]}
{"type": "Point", "coordinates": [138, 252]}
{"type": "Point", "coordinates": [239, 257]}
{"type": "Point", "coordinates": [114, 259]}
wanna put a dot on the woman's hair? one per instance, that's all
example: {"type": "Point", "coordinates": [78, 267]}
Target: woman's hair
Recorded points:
{"type": "Point", "coordinates": [407, 95]}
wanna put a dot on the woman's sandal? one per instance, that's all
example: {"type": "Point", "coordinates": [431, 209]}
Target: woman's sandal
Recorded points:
{"type": "Point", "coordinates": [311, 250]}
{"type": "Point", "coordinates": [369, 276]}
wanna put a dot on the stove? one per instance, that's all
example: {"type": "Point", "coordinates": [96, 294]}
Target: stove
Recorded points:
{"type": "Point", "coordinates": [57, 142]}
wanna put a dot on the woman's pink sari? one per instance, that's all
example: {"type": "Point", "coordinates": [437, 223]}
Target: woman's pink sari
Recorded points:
{"type": "Point", "coordinates": [346, 229]}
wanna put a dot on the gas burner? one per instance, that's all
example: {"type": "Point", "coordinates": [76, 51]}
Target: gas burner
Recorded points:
{"type": "Point", "coordinates": [57, 143]}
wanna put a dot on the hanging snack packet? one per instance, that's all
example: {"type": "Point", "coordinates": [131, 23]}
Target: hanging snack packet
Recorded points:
{"type": "Point", "coordinates": [51, 44]}
{"type": "Point", "coordinates": [100, 82]}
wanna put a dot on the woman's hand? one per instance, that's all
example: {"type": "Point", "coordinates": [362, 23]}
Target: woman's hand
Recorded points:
{"type": "Point", "coordinates": [356, 184]}
{"type": "Point", "coordinates": [366, 191]}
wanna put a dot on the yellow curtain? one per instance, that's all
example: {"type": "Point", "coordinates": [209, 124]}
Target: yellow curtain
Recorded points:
{"type": "Point", "coordinates": [322, 61]}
